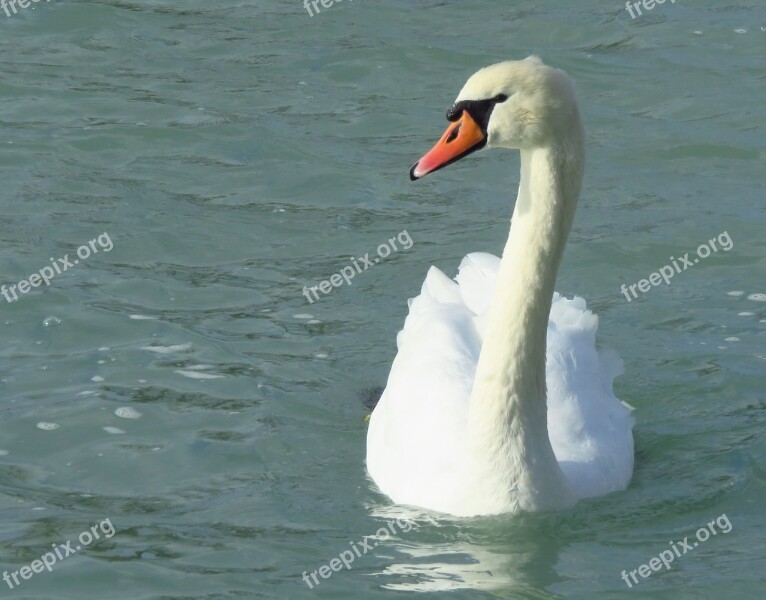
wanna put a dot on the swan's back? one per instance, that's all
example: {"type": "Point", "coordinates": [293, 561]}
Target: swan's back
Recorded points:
{"type": "Point", "coordinates": [416, 440]}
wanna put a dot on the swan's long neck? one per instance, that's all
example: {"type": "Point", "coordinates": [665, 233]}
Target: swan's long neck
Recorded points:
{"type": "Point", "coordinates": [508, 433]}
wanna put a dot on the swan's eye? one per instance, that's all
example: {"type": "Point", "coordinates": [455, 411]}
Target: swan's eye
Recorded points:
{"type": "Point", "coordinates": [480, 110]}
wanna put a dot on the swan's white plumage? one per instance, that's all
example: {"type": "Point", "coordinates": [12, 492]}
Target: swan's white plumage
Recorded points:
{"type": "Point", "coordinates": [424, 410]}
{"type": "Point", "coordinates": [498, 400]}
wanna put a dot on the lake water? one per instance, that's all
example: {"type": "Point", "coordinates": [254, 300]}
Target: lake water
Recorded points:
{"type": "Point", "coordinates": [176, 384]}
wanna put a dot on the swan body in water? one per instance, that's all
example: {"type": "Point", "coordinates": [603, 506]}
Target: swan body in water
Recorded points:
{"type": "Point", "coordinates": [498, 401]}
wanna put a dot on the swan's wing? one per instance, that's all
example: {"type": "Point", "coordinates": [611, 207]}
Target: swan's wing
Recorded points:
{"type": "Point", "coordinates": [590, 429]}
{"type": "Point", "coordinates": [476, 277]}
{"type": "Point", "coordinates": [415, 435]}
{"type": "Point", "coordinates": [411, 444]}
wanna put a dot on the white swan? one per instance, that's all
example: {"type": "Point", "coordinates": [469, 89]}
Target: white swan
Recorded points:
{"type": "Point", "coordinates": [465, 425]}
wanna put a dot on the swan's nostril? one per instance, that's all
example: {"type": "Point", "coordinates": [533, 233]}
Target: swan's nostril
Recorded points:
{"type": "Point", "coordinates": [453, 136]}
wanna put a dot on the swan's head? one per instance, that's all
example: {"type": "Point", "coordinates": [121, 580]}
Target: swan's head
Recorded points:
{"type": "Point", "coordinates": [517, 104]}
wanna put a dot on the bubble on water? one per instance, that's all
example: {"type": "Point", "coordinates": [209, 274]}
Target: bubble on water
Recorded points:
{"type": "Point", "coordinates": [167, 349]}
{"type": "Point", "coordinates": [197, 374]}
{"type": "Point", "coordinates": [740, 30]}
{"type": "Point", "coordinates": [51, 321]}
{"type": "Point", "coordinates": [127, 412]}
{"type": "Point", "coordinates": [321, 355]}
{"type": "Point", "coordinates": [113, 430]}
{"type": "Point", "coordinates": [142, 318]}
{"type": "Point", "coordinates": [745, 314]}
{"type": "Point", "coordinates": [732, 339]}
{"type": "Point", "coordinates": [313, 322]}
{"type": "Point", "coordinates": [104, 348]}
{"type": "Point", "coordinates": [47, 426]}
{"type": "Point", "coordinates": [698, 33]}
{"type": "Point", "coordinates": [757, 297]}
{"type": "Point", "coordinates": [736, 294]}
{"type": "Point", "coordinates": [4, 453]}
{"type": "Point", "coordinates": [303, 316]}
{"type": "Point", "coordinates": [96, 379]}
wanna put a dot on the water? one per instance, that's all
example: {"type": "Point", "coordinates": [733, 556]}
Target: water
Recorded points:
{"type": "Point", "coordinates": [181, 386]}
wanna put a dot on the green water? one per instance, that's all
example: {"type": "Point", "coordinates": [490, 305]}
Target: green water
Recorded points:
{"type": "Point", "coordinates": [235, 152]}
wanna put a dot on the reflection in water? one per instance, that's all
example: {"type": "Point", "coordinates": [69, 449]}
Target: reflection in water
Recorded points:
{"type": "Point", "coordinates": [492, 555]}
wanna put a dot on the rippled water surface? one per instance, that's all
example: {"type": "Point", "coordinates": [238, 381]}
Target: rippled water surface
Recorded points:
{"type": "Point", "coordinates": [179, 384]}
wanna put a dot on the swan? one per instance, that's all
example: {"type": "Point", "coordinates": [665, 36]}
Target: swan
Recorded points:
{"type": "Point", "coordinates": [497, 400]}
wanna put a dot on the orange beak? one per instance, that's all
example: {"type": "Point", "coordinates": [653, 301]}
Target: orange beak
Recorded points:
{"type": "Point", "coordinates": [461, 138]}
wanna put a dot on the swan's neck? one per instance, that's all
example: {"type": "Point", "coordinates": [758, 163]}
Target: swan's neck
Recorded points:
{"type": "Point", "coordinates": [508, 433]}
